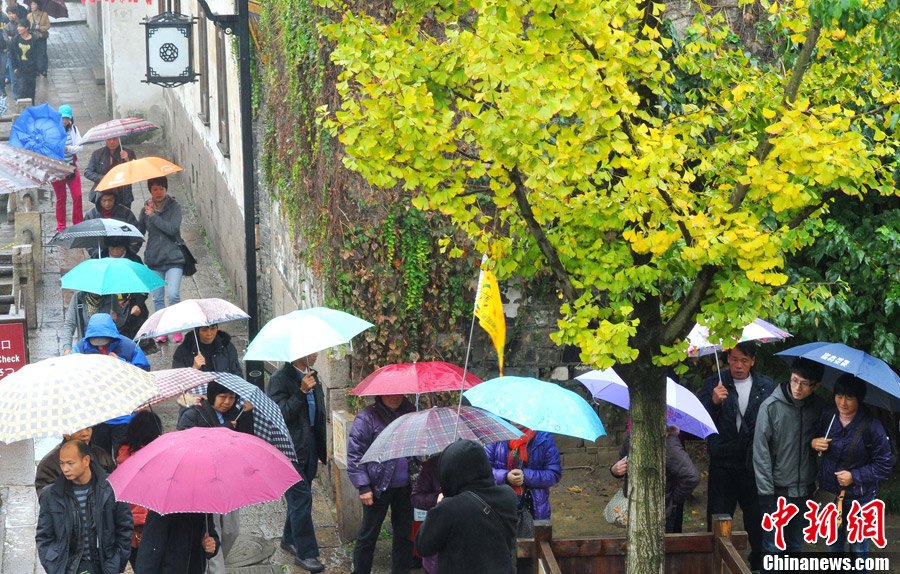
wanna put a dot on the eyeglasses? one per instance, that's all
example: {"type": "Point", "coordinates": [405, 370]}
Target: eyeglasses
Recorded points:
{"type": "Point", "coordinates": [802, 383]}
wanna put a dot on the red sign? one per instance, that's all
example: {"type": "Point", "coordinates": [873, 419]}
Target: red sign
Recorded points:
{"type": "Point", "coordinates": [13, 351]}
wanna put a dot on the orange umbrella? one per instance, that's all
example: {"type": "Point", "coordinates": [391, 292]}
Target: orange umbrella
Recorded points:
{"type": "Point", "coordinates": [136, 171]}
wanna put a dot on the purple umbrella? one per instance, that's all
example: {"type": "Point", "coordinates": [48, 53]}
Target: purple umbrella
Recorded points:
{"type": "Point", "coordinates": [684, 409]}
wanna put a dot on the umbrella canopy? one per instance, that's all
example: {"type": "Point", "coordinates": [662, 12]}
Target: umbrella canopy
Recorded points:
{"type": "Point", "coordinates": [65, 394]}
{"type": "Point", "coordinates": [118, 128]}
{"type": "Point", "coordinates": [414, 378]}
{"type": "Point", "coordinates": [203, 470]}
{"type": "Point", "coordinates": [92, 232]}
{"type": "Point", "coordinates": [111, 275]}
{"type": "Point", "coordinates": [884, 384]}
{"type": "Point", "coordinates": [55, 8]}
{"type": "Point", "coordinates": [268, 422]}
{"type": "Point", "coordinates": [538, 405]}
{"type": "Point", "coordinates": [135, 171]}
{"type": "Point", "coordinates": [301, 333]}
{"type": "Point", "coordinates": [39, 129]}
{"type": "Point", "coordinates": [21, 169]}
{"type": "Point", "coordinates": [759, 330]}
{"type": "Point", "coordinates": [431, 431]}
{"type": "Point", "coordinates": [684, 409]}
{"type": "Point", "coordinates": [189, 314]}
{"type": "Point", "coordinates": [172, 382]}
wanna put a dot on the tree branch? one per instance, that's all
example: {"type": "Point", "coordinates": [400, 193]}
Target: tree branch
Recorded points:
{"type": "Point", "coordinates": [810, 209]}
{"type": "Point", "coordinates": [679, 325]}
{"type": "Point", "coordinates": [801, 65]}
{"type": "Point", "coordinates": [547, 249]}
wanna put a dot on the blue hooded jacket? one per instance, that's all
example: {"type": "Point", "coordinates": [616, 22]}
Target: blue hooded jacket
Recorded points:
{"type": "Point", "coordinates": [102, 325]}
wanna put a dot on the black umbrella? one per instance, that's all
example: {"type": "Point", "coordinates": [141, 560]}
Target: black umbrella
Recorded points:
{"type": "Point", "coordinates": [94, 232]}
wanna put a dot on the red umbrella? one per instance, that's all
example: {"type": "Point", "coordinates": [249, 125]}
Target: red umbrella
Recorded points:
{"type": "Point", "coordinates": [414, 378]}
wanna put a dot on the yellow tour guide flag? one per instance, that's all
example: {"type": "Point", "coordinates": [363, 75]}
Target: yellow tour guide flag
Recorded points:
{"type": "Point", "coordinates": [489, 310]}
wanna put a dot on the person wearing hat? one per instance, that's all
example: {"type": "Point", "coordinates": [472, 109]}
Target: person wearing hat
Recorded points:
{"type": "Point", "coordinates": [104, 159]}
{"type": "Point", "coordinates": [219, 409]}
{"type": "Point", "coordinates": [73, 146]}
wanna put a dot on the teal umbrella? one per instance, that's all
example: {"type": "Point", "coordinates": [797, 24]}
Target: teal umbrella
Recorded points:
{"type": "Point", "coordinates": [111, 275]}
{"type": "Point", "coordinates": [537, 405]}
{"type": "Point", "coordinates": [301, 333]}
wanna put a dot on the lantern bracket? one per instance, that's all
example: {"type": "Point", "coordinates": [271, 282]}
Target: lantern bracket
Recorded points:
{"type": "Point", "coordinates": [225, 22]}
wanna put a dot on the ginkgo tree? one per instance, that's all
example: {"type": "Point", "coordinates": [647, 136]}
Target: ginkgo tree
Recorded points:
{"type": "Point", "coordinates": [659, 177]}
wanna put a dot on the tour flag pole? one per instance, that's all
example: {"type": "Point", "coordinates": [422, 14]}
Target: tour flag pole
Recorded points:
{"type": "Point", "coordinates": [489, 311]}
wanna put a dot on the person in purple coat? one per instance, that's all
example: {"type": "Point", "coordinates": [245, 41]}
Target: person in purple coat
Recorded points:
{"type": "Point", "coordinates": [531, 465]}
{"type": "Point", "coordinates": [381, 485]}
{"type": "Point", "coordinates": [855, 454]}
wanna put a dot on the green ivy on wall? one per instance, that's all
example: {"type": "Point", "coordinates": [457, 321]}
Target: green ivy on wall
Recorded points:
{"type": "Point", "coordinates": [376, 255]}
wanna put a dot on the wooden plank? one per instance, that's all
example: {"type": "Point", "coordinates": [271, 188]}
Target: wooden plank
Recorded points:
{"type": "Point", "coordinates": [547, 558]}
{"type": "Point", "coordinates": [730, 558]}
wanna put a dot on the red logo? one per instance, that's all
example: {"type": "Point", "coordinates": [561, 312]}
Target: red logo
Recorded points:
{"type": "Point", "coordinates": [779, 519]}
{"type": "Point", "coordinates": [866, 521]}
{"type": "Point", "coordinates": [822, 523]}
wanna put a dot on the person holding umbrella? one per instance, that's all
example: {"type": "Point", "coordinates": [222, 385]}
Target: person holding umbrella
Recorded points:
{"type": "Point", "coordinates": [297, 391]}
{"type": "Point", "coordinates": [177, 543]}
{"type": "Point", "coordinates": [160, 219]}
{"type": "Point", "coordinates": [73, 146]}
{"type": "Point", "coordinates": [856, 455]}
{"type": "Point", "coordinates": [381, 486]}
{"type": "Point", "coordinates": [82, 307]}
{"type": "Point", "coordinates": [219, 409]}
{"type": "Point", "coordinates": [104, 159]}
{"type": "Point", "coordinates": [732, 399]}
{"type": "Point", "coordinates": [131, 311]}
{"type": "Point", "coordinates": [107, 206]}
{"type": "Point", "coordinates": [211, 350]}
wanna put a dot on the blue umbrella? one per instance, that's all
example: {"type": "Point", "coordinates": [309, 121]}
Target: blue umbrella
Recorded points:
{"type": "Point", "coordinates": [40, 129]}
{"type": "Point", "coordinates": [538, 406]}
{"type": "Point", "coordinates": [301, 333]}
{"type": "Point", "coordinates": [884, 383]}
{"type": "Point", "coordinates": [111, 275]}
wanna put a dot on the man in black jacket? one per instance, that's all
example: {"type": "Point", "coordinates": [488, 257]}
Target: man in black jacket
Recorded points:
{"type": "Point", "coordinates": [733, 403]}
{"type": "Point", "coordinates": [102, 160]}
{"type": "Point", "coordinates": [297, 391]}
{"type": "Point", "coordinates": [473, 527]}
{"type": "Point", "coordinates": [81, 527]}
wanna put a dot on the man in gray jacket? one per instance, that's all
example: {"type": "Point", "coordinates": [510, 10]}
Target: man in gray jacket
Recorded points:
{"type": "Point", "coordinates": [783, 460]}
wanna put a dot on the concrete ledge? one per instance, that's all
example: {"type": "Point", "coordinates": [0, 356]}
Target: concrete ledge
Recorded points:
{"type": "Point", "coordinates": [99, 77]}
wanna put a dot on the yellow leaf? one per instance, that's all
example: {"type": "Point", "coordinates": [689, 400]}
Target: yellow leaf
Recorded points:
{"type": "Point", "coordinates": [773, 9]}
{"type": "Point", "coordinates": [768, 114]}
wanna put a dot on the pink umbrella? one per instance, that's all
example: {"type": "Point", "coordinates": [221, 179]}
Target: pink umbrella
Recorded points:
{"type": "Point", "coordinates": [414, 378]}
{"type": "Point", "coordinates": [203, 470]}
{"type": "Point", "coordinates": [172, 382]}
{"type": "Point", "coordinates": [116, 129]}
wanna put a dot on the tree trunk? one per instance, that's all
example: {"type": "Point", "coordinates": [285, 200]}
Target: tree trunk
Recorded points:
{"type": "Point", "coordinates": [646, 458]}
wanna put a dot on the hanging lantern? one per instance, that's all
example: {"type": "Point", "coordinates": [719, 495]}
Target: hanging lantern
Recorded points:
{"type": "Point", "coordinates": [170, 50]}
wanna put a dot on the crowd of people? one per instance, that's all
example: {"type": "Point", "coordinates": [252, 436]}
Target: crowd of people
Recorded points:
{"type": "Point", "coordinates": [23, 47]}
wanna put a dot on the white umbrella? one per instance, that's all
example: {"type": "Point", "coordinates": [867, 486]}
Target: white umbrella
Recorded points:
{"type": "Point", "coordinates": [759, 330]}
{"type": "Point", "coordinates": [65, 394]}
{"type": "Point", "coordinates": [301, 333]}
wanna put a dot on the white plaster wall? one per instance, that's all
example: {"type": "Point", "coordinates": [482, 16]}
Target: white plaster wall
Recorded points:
{"type": "Point", "coordinates": [124, 48]}
{"type": "Point", "coordinates": [188, 98]}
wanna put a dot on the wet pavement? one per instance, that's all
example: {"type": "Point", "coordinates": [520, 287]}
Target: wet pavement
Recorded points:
{"type": "Point", "coordinates": [74, 52]}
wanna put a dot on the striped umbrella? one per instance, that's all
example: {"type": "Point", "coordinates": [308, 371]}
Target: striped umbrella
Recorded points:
{"type": "Point", "coordinates": [91, 232]}
{"type": "Point", "coordinates": [21, 169]}
{"type": "Point", "coordinates": [268, 422]}
{"type": "Point", "coordinates": [116, 129]}
{"type": "Point", "coordinates": [65, 394]}
{"type": "Point", "coordinates": [189, 314]}
{"type": "Point", "coordinates": [431, 431]}
{"type": "Point", "coordinates": [172, 382]}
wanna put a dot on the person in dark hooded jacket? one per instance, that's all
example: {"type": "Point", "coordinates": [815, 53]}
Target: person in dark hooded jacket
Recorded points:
{"type": "Point", "coordinates": [108, 207]}
{"type": "Point", "coordinates": [216, 352]}
{"type": "Point", "coordinates": [473, 527]}
{"type": "Point", "coordinates": [178, 543]}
